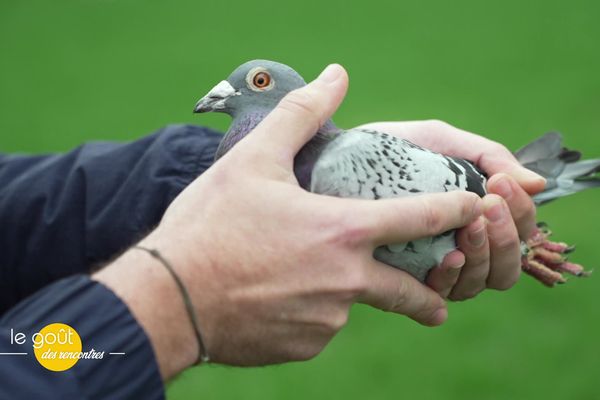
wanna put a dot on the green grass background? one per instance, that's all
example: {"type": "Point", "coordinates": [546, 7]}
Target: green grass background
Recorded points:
{"type": "Point", "coordinates": [75, 71]}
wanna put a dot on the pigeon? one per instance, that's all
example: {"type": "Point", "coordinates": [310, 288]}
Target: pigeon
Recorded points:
{"type": "Point", "coordinates": [367, 164]}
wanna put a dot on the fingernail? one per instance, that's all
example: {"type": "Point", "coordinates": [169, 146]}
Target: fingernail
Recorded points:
{"type": "Point", "coordinates": [503, 188]}
{"type": "Point", "coordinates": [439, 316]}
{"type": "Point", "coordinates": [330, 74]}
{"type": "Point", "coordinates": [494, 209]}
{"type": "Point", "coordinates": [476, 235]}
{"type": "Point", "coordinates": [453, 267]}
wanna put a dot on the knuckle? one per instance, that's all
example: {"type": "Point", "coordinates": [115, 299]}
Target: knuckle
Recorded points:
{"type": "Point", "coordinates": [398, 303]}
{"type": "Point", "coordinates": [507, 243]}
{"type": "Point", "coordinates": [433, 219]}
{"type": "Point", "coordinates": [350, 231]}
{"type": "Point", "coordinates": [467, 206]}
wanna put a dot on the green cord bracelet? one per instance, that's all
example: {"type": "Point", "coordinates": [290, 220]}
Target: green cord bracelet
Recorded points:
{"type": "Point", "coordinates": [202, 352]}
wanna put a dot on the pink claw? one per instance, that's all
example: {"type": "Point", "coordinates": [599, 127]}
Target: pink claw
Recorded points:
{"type": "Point", "coordinates": [546, 260]}
{"type": "Point", "coordinates": [547, 256]}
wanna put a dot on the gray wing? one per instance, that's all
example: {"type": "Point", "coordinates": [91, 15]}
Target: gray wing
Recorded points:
{"type": "Point", "coordinates": [371, 165]}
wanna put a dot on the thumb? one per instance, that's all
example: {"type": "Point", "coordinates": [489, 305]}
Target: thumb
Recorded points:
{"type": "Point", "coordinates": [301, 113]}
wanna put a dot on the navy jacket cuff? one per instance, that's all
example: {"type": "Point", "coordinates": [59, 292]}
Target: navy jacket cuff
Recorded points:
{"type": "Point", "coordinates": [104, 324]}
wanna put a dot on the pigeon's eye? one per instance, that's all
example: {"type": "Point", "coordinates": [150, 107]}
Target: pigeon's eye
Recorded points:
{"type": "Point", "coordinates": [261, 80]}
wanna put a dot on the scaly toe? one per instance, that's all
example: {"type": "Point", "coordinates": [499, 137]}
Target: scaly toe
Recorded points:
{"type": "Point", "coordinates": [558, 247]}
{"type": "Point", "coordinates": [546, 260]}
{"type": "Point", "coordinates": [541, 272]}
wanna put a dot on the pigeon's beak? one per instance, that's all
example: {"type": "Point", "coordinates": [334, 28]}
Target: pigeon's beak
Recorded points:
{"type": "Point", "coordinates": [215, 99]}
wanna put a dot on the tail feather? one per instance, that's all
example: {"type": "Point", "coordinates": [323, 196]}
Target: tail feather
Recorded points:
{"type": "Point", "coordinates": [561, 191]}
{"type": "Point", "coordinates": [562, 168]}
{"type": "Point", "coordinates": [581, 169]}
{"type": "Point", "coordinates": [544, 147]}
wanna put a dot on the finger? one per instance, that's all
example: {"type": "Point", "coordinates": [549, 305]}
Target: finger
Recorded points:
{"type": "Point", "coordinates": [443, 277]}
{"type": "Point", "coordinates": [519, 202]}
{"type": "Point", "coordinates": [497, 161]}
{"type": "Point", "coordinates": [473, 241]}
{"type": "Point", "coordinates": [404, 219]}
{"type": "Point", "coordinates": [394, 290]}
{"type": "Point", "coordinates": [301, 113]}
{"type": "Point", "coordinates": [505, 246]}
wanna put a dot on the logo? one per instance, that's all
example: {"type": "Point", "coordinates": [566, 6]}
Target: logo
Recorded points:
{"type": "Point", "coordinates": [57, 347]}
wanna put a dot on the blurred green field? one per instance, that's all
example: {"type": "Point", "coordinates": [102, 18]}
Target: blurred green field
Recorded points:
{"type": "Point", "coordinates": [75, 71]}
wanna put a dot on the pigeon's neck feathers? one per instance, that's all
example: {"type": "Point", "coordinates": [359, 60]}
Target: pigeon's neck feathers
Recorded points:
{"type": "Point", "coordinates": [239, 128]}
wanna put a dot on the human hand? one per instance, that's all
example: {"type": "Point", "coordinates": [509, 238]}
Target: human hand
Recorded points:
{"type": "Point", "coordinates": [273, 269]}
{"type": "Point", "coordinates": [491, 245]}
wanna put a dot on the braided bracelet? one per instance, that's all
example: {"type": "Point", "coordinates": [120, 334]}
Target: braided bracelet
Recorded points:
{"type": "Point", "coordinates": [202, 352]}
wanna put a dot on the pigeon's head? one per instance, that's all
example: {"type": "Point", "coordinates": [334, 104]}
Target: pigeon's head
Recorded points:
{"type": "Point", "coordinates": [249, 94]}
{"type": "Point", "coordinates": [256, 87]}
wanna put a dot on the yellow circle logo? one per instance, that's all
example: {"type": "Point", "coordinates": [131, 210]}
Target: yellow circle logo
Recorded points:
{"type": "Point", "coordinates": [57, 347]}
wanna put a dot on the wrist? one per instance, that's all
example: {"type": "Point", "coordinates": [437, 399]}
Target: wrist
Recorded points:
{"type": "Point", "coordinates": [154, 300]}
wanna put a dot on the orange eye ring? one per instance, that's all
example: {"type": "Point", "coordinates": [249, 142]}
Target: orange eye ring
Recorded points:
{"type": "Point", "coordinates": [261, 80]}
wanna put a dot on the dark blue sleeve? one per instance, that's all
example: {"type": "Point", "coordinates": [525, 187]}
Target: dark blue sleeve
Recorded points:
{"type": "Point", "coordinates": [62, 214]}
{"type": "Point", "coordinates": [103, 322]}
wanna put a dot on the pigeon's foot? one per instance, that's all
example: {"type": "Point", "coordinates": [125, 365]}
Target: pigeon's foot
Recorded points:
{"type": "Point", "coordinates": [546, 261]}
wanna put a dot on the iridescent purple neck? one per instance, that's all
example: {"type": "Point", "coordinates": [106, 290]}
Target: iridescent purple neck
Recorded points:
{"type": "Point", "coordinates": [306, 157]}
{"type": "Point", "coordinates": [240, 127]}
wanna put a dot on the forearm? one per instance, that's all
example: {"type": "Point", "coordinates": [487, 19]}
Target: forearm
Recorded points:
{"type": "Point", "coordinates": [81, 208]}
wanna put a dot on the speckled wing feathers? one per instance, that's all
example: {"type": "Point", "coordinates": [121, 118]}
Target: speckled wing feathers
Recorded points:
{"type": "Point", "coordinates": [372, 165]}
